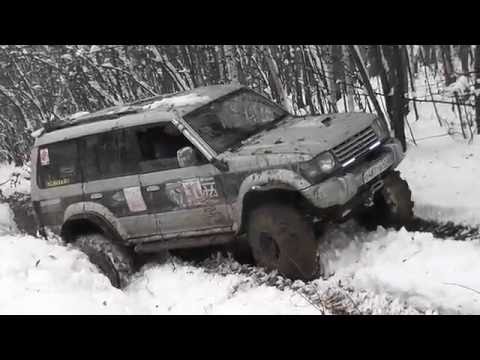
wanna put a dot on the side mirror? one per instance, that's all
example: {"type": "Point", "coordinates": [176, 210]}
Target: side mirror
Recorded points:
{"type": "Point", "coordinates": [186, 156]}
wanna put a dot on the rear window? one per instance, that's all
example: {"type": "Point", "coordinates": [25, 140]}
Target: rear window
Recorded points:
{"type": "Point", "coordinates": [110, 154]}
{"type": "Point", "coordinates": [58, 164]}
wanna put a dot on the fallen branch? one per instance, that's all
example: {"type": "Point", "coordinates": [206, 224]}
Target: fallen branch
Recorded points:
{"type": "Point", "coordinates": [462, 286]}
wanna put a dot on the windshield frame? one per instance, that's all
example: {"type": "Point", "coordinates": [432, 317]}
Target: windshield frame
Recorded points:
{"type": "Point", "coordinates": [284, 113]}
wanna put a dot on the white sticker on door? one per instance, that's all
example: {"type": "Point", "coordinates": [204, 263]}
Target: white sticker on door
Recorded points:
{"type": "Point", "coordinates": [134, 198]}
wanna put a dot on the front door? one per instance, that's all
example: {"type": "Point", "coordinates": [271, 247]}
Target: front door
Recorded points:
{"type": "Point", "coordinates": [183, 200]}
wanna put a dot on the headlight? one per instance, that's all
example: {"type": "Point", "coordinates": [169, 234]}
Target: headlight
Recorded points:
{"type": "Point", "coordinates": [326, 162]}
{"type": "Point", "coordinates": [319, 166]}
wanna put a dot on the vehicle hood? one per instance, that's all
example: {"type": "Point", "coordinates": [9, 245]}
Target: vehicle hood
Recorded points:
{"type": "Point", "coordinates": [305, 135]}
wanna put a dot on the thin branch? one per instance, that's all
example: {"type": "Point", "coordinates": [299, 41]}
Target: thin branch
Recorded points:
{"type": "Point", "coordinates": [462, 286]}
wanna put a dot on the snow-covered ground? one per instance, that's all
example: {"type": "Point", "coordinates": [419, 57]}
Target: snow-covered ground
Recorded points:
{"type": "Point", "coordinates": [381, 272]}
{"type": "Point", "coordinates": [428, 274]}
{"type": "Point", "coordinates": [442, 170]}
{"type": "Point", "coordinates": [40, 277]}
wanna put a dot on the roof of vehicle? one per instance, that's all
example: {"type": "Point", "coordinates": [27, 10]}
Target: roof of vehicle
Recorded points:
{"type": "Point", "coordinates": [150, 110]}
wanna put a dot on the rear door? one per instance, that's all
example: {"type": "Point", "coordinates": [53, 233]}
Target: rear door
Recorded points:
{"type": "Point", "coordinates": [110, 163]}
{"type": "Point", "coordinates": [57, 181]}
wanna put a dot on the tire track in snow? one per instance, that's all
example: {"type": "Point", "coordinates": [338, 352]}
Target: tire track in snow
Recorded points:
{"type": "Point", "coordinates": [445, 230]}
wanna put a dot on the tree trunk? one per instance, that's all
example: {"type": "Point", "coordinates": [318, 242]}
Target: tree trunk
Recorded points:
{"type": "Point", "coordinates": [477, 87]}
{"type": "Point", "coordinates": [347, 62]}
{"type": "Point", "coordinates": [398, 116]}
{"type": "Point", "coordinates": [384, 79]}
{"type": "Point", "coordinates": [232, 69]}
{"type": "Point", "coordinates": [330, 74]}
{"type": "Point", "coordinates": [463, 51]}
{"type": "Point", "coordinates": [412, 84]}
{"type": "Point", "coordinates": [275, 76]}
{"type": "Point", "coordinates": [447, 64]}
{"type": "Point", "coordinates": [355, 52]}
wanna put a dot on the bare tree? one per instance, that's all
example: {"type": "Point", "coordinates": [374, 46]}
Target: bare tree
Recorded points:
{"type": "Point", "coordinates": [477, 87]}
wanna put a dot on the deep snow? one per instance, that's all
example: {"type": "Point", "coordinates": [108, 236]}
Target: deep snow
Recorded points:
{"type": "Point", "coordinates": [40, 277]}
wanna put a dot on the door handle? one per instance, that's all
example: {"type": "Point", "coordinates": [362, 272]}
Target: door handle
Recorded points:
{"type": "Point", "coordinates": [96, 196]}
{"type": "Point", "coordinates": [152, 188]}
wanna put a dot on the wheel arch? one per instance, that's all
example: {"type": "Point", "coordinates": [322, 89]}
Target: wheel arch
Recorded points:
{"type": "Point", "coordinates": [266, 186]}
{"type": "Point", "coordinates": [87, 217]}
{"type": "Point", "coordinates": [88, 223]}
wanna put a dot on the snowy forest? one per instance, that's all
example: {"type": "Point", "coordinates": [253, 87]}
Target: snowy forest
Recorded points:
{"type": "Point", "coordinates": [429, 96]}
{"type": "Point", "coordinates": [39, 84]}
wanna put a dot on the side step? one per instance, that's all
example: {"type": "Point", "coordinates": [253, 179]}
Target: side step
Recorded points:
{"type": "Point", "coordinates": [183, 243]}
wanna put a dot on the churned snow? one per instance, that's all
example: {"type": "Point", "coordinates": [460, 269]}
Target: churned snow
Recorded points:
{"type": "Point", "coordinates": [415, 267]}
{"type": "Point", "coordinates": [40, 277]}
{"type": "Point", "coordinates": [389, 271]}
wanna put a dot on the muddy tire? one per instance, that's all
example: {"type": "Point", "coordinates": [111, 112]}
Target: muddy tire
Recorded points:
{"type": "Point", "coordinates": [281, 238]}
{"type": "Point", "coordinates": [393, 205]}
{"type": "Point", "coordinates": [114, 260]}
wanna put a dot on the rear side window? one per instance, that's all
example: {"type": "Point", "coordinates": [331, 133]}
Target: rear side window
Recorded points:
{"type": "Point", "coordinates": [58, 164]}
{"type": "Point", "coordinates": [110, 154]}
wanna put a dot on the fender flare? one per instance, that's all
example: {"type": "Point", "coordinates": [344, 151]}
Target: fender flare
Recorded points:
{"type": "Point", "coordinates": [99, 215]}
{"type": "Point", "coordinates": [272, 179]}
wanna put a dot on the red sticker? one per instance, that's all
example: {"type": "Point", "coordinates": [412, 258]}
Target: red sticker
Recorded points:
{"type": "Point", "coordinates": [44, 158]}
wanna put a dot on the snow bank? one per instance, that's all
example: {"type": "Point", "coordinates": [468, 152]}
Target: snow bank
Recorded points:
{"type": "Point", "coordinates": [40, 277]}
{"type": "Point", "coordinates": [6, 219]}
{"type": "Point", "coordinates": [442, 170]}
{"type": "Point", "coordinates": [426, 272]}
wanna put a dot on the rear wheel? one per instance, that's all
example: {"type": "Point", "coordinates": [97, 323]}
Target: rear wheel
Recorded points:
{"type": "Point", "coordinates": [114, 260]}
{"type": "Point", "coordinates": [393, 205]}
{"type": "Point", "coordinates": [281, 238]}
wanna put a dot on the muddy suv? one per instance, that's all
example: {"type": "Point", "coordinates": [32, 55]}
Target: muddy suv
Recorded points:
{"type": "Point", "coordinates": [214, 165]}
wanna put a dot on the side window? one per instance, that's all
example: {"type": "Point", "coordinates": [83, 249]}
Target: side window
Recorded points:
{"type": "Point", "coordinates": [158, 146]}
{"type": "Point", "coordinates": [110, 154]}
{"type": "Point", "coordinates": [58, 164]}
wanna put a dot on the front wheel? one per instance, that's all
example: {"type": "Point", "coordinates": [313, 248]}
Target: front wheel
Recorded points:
{"type": "Point", "coordinates": [393, 205]}
{"type": "Point", "coordinates": [281, 238]}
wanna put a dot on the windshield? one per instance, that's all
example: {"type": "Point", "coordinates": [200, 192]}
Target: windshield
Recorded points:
{"type": "Point", "coordinates": [227, 122]}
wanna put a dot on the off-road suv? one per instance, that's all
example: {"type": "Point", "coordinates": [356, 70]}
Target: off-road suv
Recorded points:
{"type": "Point", "coordinates": [214, 165]}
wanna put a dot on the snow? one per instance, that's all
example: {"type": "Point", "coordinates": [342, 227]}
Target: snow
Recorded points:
{"type": "Point", "coordinates": [176, 101]}
{"type": "Point", "coordinates": [389, 271]}
{"type": "Point", "coordinates": [6, 218]}
{"type": "Point", "coordinates": [460, 86]}
{"type": "Point", "coordinates": [47, 278]}
{"type": "Point", "coordinates": [415, 267]}
{"type": "Point", "coordinates": [442, 169]}
{"type": "Point", "coordinates": [14, 179]}
{"type": "Point", "coordinates": [78, 115]}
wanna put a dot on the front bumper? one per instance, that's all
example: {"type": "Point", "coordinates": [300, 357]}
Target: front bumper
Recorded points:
{"type": "Point", "coordinates": [338, 190]}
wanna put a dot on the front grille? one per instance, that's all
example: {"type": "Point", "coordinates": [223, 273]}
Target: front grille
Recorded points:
{"type": "Point", "coordinates": [355, 146]}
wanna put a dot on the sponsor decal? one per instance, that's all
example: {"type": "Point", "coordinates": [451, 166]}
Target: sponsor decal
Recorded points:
{"type": "Point", "coordinates": [193, 192]}
{"type": "Point", "coordinates": [58, 182]}
{"type": "Point", "coordinates": [44, 158]}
